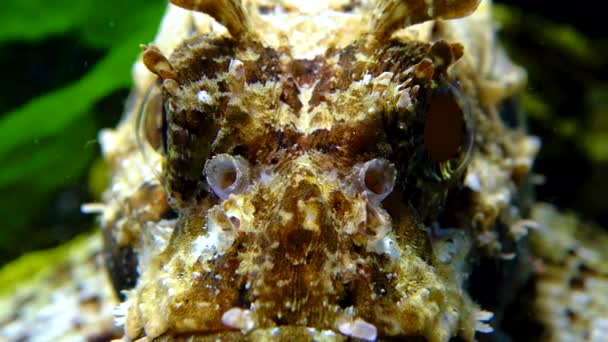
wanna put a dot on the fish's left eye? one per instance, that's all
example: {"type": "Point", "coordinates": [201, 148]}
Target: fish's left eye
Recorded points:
{"type": "Point", "coordinates": [448, 130]}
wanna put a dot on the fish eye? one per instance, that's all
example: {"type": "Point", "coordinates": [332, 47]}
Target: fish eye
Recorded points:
{"type": "Point", "coordinates": [227, 174]}
{"type": "Point", "coordinates": [448, 131]}
{"type": "Point", "coordinates": [152, 123]}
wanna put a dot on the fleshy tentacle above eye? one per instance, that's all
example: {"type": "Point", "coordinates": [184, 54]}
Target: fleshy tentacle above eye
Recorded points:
{"type": "Point", "coordinates": [230, 13]}
{"type": "Point", "coordinates": [391, 15]}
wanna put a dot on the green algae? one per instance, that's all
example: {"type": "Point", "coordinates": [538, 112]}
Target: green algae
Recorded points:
{"type": "Point", "coordinates": [557, 36]}
{"type": "Point", "coordinates": [34, 266]}
{"type": "Point", "coordinates": [566, 106]}
{"type": "Point", "coordinates": [49, 142]}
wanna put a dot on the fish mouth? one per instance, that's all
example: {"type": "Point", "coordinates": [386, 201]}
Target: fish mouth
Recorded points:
{"type": "Point", "coordinates": [281, 333]}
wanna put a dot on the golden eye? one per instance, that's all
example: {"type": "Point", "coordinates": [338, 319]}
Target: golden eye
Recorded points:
{"type": "Point", "coordinates": [448, 131]}
{"type": "Point", "coordinates": [227, 175]}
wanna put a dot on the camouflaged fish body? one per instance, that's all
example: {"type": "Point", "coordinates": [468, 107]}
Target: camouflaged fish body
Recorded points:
{"type": "Point", "coordinates": [300, 163]}
{"type": "Point", "coordinates": [320, 171]}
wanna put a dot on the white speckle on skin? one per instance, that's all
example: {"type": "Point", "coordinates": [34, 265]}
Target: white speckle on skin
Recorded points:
{"type": "Point", "coordinates": [415, 89]}
{"type": "Point", "coordinates": [520, 228]}
{"type": "Point", "coordinates": [386, 245]}
{"type": "Point", "coordinates": [588, 254]}
{"type": "Point", "coordinates": [449, 320]}
{"type": "Point", "coordinates": [120, 314]}
{"type": "Point", "coordinates": [204, 97]}
{"type": "Point", "coordinates": [215, 241]}
{"type": "Point", "coordinates": [266, 177]}
{"type": "Point", "coordinates": [533, 145]}
{"type": "Point", "coordinates": [481, 317]}
{"type": "Point", "coordinates": [92, 208]}
{"type": "Point", "coordinates": [207, 243]}
{"type": "Point", "coordinates": [367, 78]}
{"type": "Point", "coordinates": [217, 27]}
{"type": "Point", "coordinates": [599, 329]}
{"type": "Point", "coordinates": [579, 301]}
{"type": "Point", "coordinates": [359, 329]}
{"type": "Point", "coordinates": [236, 68]}
{"type": "Point", "coordinates": [239, 319]}
{"type": "Point", "coordinates": [108, 141]}
{"type": "Point", "coordinates": [384, 79]}
{"type": "Point", "coordinates": [404, 100]}
{"type": "Point", "coordinates": [328, 333]}
{"type": "Point", "coordinates": [472, 182]}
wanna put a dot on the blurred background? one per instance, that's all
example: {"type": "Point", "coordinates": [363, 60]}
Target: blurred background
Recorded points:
{"type": "Point", "coordinates": [67, 74]}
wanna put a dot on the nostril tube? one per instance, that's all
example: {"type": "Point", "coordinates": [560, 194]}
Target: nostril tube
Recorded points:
{"type": "Point", "coordinates": [377, 179]}
{"type": "Point", "coordinates": [227, 174]}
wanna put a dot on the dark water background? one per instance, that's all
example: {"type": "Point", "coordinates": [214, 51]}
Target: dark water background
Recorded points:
{"type": "Point", "coordinates": [43, 180]}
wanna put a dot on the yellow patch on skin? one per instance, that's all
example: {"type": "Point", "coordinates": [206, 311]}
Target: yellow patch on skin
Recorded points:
{"type": "Point", "coordinates": [285, 216]}
{"type": "Point", "coordinates": [310, 212]}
